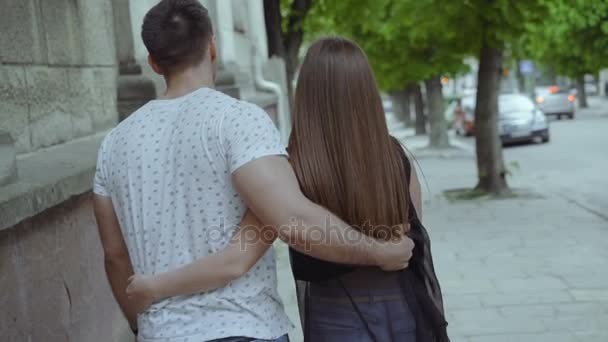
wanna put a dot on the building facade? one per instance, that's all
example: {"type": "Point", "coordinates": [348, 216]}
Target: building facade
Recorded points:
{"type": "Point", "coordinates": [70, 70]}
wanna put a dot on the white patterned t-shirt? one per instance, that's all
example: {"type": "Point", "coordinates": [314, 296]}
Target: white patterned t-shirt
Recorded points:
{"type": "Point", "coordinates": [168, 168]}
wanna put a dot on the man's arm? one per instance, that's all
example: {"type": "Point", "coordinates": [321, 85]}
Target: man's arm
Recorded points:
{"type": "Point", "coordinates": [116, 257]}
{"type": "Point", "coordinates": [271, 190]}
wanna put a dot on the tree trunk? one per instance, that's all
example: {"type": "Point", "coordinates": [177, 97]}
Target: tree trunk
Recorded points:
{"type": "Point", "coordinates": [401, 106]}
{"type": "Point", "coordinates": [439, 128]}
{"type": "Point", "coordinates": [293, 38]}
{"type": "Point", "coordinates": [419, 108]}
{"type": "Point", "coordinates": [552, 76]}
{"type": "Point", "coordinates": [490, 163]}
{"type": "Point", "coordinates": [580, 92]}
{"type": "Point", "coordinates": [274, 31]}
{"type": "Point", "coordinates": [521, 80]}
{"type": "Point", "coordinates": [286, 44]}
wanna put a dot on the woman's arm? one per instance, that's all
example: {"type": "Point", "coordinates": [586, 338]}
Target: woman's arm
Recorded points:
{"type": "Point", "coordinates": [210, 272]}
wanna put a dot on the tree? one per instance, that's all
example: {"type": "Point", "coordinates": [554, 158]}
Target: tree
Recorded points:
{"type": "Point", "coordinates": [401, 105]}
{"type": "Point", "coordinates": [572, 40]}
{"type": "Point", "coordinates": [439, 128]}
{"type": "Point", "coordinates": [380, 36]}
{"type": "Point", "coordinates": [494, 25]}
{"type": "Point", "coordinates": [406, 44]}
{"type": "Point", "coordinates": [420, 124]}
{"type": "Point", "coordinates": [438, 47]}
{"type": "Point", "coordinates": [284, 29]}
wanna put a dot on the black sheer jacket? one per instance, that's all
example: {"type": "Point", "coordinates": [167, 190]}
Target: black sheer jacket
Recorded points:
{"type": "Point", "coordinates": [418, 282]}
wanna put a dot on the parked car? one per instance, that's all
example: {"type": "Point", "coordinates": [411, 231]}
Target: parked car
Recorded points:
{"type": "Point", "coordinates": [520, 120]}
{"type": "Point", "coordinates": [591, 88]}
{"type": "Point", "coordinates": [464, 116]}
{"type": "Point", "coordinates": [555, 101]}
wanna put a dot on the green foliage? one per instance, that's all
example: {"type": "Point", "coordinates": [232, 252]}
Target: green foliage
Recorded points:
{"type": "Point", "coordinates": [405, 42]}
{"type": "Point", "coordinates": [573, 39]}
{"type": "Point", "coordinates": [411, 40]}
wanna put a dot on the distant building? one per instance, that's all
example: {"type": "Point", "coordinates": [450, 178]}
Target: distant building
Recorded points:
{"type": "Point", "coordinates": [603, 82]}
{"type": "Point", "coordinates": [69, 71]}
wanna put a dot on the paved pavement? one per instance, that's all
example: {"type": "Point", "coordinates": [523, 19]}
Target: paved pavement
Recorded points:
{"type": "Point", "coordinates": [532, 268]}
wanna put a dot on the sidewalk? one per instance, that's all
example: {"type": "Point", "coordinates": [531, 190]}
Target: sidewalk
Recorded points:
{"type": "Point", "coordinates": [530, 269]}
{"type": "Point", "coordinates": [418, 144]}
{"type": "Point", "coordinates": [525, 269]}
{"type": "Point", "coordinates": [597, 107]}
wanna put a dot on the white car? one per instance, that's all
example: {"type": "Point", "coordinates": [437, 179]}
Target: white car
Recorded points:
{"type": "Point", "coordinates": [555, 101]}
{"type": "Point", "coordinates": [590, 88]}
{"type": "Point", "coordinates": [520, 120]}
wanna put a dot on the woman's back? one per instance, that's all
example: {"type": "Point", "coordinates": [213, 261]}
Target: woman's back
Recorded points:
{"type": "Point", "coordinates": [340, 146]}
{"type": "Point", "coordinates": [347, 162]}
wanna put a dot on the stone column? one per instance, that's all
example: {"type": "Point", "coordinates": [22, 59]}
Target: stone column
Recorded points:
{"type": "Point", "coordinates": [134, 89]}
{"type": "Point", "coordinates": [226, 80]}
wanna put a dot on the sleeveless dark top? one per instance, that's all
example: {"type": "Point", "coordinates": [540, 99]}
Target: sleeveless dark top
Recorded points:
{"type": "Point", "coordinates": [418, 282]}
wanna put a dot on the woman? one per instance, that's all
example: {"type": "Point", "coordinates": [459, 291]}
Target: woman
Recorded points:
{"type": "Point", "coordinates": [346, 161]}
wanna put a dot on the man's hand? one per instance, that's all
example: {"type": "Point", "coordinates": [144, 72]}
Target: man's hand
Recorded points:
{"type": "Point", "coordinates": [141, 292]}
{"type": "Point", "coordinates": [270, 188]}
{"type": "Point", "coordinates": [396, 254]}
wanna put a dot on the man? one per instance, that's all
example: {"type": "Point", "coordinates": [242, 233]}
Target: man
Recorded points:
{"type": "Point", "coordinates": [177, 176]}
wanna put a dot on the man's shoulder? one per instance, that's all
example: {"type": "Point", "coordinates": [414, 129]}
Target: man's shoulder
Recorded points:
{"type": "Point", "coordinates": [240, 107]}
{"type": "Point", "coordinates": [123, 127]}
{"type": "Point", "coordinates": [246, 113]}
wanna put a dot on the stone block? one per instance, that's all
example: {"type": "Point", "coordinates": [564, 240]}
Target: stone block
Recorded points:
{"type": "Point", "coordinates": [133, 92]}
{"type": "Point", "coordinates": [14, 105]}
{"type": "Point", "coordinates": [591, 295]}
{"type": "Point", "coordinates": [536, 283]}
{"type": "Point", "coordinates": [62, 32]}
{"type": "Point", "coordinates": [106, 83]}
{"type": "Point", "coordinates": [490, 321]}
{"type": "Point", "coordinates": [523, 298]}
{"type": "Point", "coordinates": [20, 29]}
{"type": "Point", "coordinates": [83, 100]}
{"type": "Point", "coordinates": [52, 129]}
{"type": "Point", "coordinates": [97, 30]}
{"type": "Point", "coordinates": [13, 318]}
{"type": "Point", "coordinates": [54, 286]}
{"type": "Point", "coordinates": [8, 161]}
{"type": "Point", "coordinates": [538, 337]}
{"type": "Point", "coordinates": [49, 103]}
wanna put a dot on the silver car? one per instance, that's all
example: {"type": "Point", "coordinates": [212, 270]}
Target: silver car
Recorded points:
{"type": "Point", "coordinates": [555, 101]}
{"type": "Point", "coordinates": [520, 120]}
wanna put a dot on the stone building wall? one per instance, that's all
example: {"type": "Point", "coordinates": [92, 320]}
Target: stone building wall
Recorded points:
{"type": "Point", "coordinates": [57, 70]}
{"type": "Point", "coordinates": [58, 75]}
{"type": "Point", "coordinates": [52, 279]}
{"type": "Point", "coordinates": [62, 63]}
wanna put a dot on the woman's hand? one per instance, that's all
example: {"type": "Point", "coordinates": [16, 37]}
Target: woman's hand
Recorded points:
{"type": "Point", "coordinates": [142, 292]}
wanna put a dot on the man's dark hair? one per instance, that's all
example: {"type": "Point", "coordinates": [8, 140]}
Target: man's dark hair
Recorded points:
{"type": "Point", "coordinates": [177, 33]}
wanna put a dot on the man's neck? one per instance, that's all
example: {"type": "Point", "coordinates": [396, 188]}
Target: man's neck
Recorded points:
{"type": "Point", "coordinates": [186, 82]}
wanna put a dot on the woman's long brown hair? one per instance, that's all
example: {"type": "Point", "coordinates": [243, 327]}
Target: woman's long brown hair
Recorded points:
{"type": "Point", "coordinates": [340, 147]}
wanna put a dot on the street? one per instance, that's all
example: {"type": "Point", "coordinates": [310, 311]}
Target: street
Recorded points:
{"type": "Point", "coordinates": [530, 268]}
